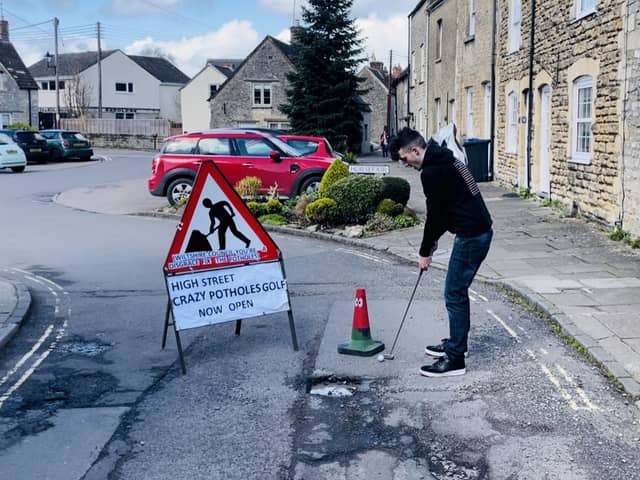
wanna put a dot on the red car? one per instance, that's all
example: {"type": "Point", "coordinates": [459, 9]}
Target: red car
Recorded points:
{"type": "Point", "coordinates": [239, 154]}
{"type": "Point", "coordinates": [307, 145]}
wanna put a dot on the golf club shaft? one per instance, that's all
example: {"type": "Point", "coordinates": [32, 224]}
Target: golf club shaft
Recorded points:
{"type": "Point", "coordinates": [393, 346]}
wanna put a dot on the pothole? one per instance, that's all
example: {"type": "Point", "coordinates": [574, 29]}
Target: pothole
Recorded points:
{"type": "Point", "coordinates": [333, 386]}
{"type": "Point", "coordinates": [90, 349]}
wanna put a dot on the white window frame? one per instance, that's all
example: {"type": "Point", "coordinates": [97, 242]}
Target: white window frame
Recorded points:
{"type": "Point", "coordinates": [414, 75]}
{"type": "Point", "coordinates": [487, 109]}
{"type": "Point", "coordinates": [128, 88]}
{"type": "Point", "coordinates": [515, 20]}
{"type": "Point", "coordinates": [5, 120]}
{"type": "Point", "coordinates": [471, 31]}
{"type": "Point", "coordinates": [469, 119]}
{"type": "Point", "coordinates": [262, 87]}
{"type": "Point", "coordinates": [423, 66]}
{"type": "Point", "coordinates": [585, 7]}
{"type": "Point", "coordinates": [439, 40]}
{"type": "Point", "coordinates": [452, 111]}
{"type": "Point", "coordinates": [511, 142]}
{"type": "Point", "coordinates": [438, 113]}
{"type": "Point", "coordinates": [580, 154]}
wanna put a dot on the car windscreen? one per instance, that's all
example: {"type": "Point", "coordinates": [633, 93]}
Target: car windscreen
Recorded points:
{"type": "Point", "coordinates": [179, 146]}
{"type": "Point", "coordinates": [5, 139]}
{"type": "Point", "coordinates": [288, 150]}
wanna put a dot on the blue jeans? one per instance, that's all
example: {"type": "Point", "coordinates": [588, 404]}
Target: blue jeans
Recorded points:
{"type": "Point", "coordinates": [466, 257]}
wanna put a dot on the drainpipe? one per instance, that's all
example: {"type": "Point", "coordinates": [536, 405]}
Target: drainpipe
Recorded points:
{"type": "Point", "coordinates": [409, 66]}
{"type": "Point", "coordinates": [29, 111]}
{"type": "Point", "coordinates": [530, 93]}
{"type": "Point", "coordinates": [492, 133]}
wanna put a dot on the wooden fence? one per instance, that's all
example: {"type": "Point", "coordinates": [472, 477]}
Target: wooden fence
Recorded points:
{"type": "Point", "coordinates": [110, 126]}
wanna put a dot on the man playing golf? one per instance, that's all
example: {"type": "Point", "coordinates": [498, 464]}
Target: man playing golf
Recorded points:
{"type": "Point", "coordinates": [454, 204]}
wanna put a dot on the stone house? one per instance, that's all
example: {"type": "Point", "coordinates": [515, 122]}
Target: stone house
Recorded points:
{"type": "Point", "coordinates": [376, 81]}
{"type": "Point", "coordinates": [399, 100]}
{"type": "Point", "coordinates": [252, 95]}
{"type": "Point", "coordinates": [451, 66]}
{"type": "Point", "coordinates": [573, 150]}
{"type": "Point", "coordinates": [18, 89]}
{"type": "Point", "coordinates": [198, 92]}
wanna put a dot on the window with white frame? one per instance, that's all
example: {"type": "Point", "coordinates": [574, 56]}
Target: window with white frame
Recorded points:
{"type": "Point", "coordinates": [585, 7]}
{"type": "Point", "coordinates": [469, 122]}
{"type": "Point", "coordinates": [471, 31]}
{"type": "Point", "coordinates": [515, 19]}
{"type": "Point", "coordinates": [439, 40]}
{"type": "Point", "coordinates": [213, 89]}
{"type": "Point", "coordinates": [582, 119]}
{"type": "Point", "coordinates": [487, 109]}
{"type": "Point", "coordinates": [5, 120]}
{"type": "Point", "coordinates": [438, 114]}
{"type": "Point", "coordinates": [121, 87]}
{"type": "Point", "coordinates": [452, 111]}
{"type": "Point", "coordinates": [511, 144]}
{"type": "Point", "coordinates": [414, 68]}
{"type": "Point", "coordinates": [262, 94]}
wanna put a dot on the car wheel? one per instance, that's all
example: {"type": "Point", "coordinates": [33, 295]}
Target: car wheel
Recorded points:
{"type": "Point", "coordinates": [179, 189]}
{"type": "Point", "coordinates": [18, 169]}
{"type": "Point", "coordinates": [310, 185]}
{"type": "Point", "coordinates": [56, 155]}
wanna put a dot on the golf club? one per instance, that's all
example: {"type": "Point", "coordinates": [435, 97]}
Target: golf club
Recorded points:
{"type": "Point", "coordinates": [390, 356]}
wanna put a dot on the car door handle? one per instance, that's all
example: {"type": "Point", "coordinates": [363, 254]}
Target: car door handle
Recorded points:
{"type": "Point", "coordinates": [247, 164]}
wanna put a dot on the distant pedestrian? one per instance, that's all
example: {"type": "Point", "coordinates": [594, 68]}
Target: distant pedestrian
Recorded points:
{"type": "Point", "coordinates": [383, 143]}
{"type": "Point", "coordinates": [223, 213]}
{"type": "Point", "coordinates": [454, 204]}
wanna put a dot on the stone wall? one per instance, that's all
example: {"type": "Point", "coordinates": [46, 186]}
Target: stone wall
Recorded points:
{"type": "Point", "coordinates": [566, 48]}
{"type": "Point", "coordinates": [15, 101]}
{"type": "Point", "coordinates": [376, 98]}
{"type": "Point", "coordinates": [418, 113]}
{"type": "Point", "coordinates": [134, 142]}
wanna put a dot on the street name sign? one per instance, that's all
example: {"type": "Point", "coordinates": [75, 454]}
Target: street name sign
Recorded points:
{"type": "Point", "coordinates": [369, 169]}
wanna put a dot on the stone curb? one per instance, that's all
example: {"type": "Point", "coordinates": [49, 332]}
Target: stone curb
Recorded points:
{"type": "Point", "coordinates": [598, 355]}
{"type": "Point", "coordinates": [18, 315]}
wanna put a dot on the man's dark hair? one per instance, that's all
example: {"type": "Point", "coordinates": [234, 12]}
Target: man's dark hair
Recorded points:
{"type": "Point", "coordinates": [407, 137]}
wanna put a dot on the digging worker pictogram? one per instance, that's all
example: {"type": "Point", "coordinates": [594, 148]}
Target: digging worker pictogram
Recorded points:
{"type": "Point", "coordinates": [223, 213]}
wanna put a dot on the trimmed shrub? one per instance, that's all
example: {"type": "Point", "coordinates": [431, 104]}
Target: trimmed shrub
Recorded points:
{"type": "Point", "coordinates": [257, 208]}
{"type": "Point", "coordinates": [248, 187]}
{"type": "Point", "coordinates": [380, 222]}
{"type": "Point", "coordinates": [397, 189]}
{"type": "Point", "coordinates": [337, 170]}
{"type": "Point", "coordinates": [273, 205]}
{"type": "Point", "coordinates": [273, 219]}
{"type": "Point", "coordinates": [357, 197]}
{"type": "Point", "coordinates": [389, 207]}
{"type": "Point", "coordinates": [404, 221]}
{"type": "Point", "coordinates": [322, 211]}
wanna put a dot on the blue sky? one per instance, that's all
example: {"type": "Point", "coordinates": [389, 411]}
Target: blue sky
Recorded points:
{"type": "Point", "coordinates": [190, 31]}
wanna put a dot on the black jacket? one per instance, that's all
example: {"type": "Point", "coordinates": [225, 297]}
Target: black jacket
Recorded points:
{"type": "Point", "coordinates": [454, 202]}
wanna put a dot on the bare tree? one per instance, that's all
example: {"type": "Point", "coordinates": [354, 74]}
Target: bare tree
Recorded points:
{"type": "Point", "coordinates": [77, 95]}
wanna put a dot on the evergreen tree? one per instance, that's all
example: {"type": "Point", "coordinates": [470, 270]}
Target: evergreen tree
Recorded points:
{"type": "Point", "coordinates": [323, 98]}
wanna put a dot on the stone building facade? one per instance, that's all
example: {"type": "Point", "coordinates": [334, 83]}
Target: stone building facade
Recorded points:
{"type": "Point", "coordinates": [577, 106]}
{"type": "Point", "coordinates": [376, 84]}
{"type": "Point", "coordinates": [417, 81]}
{"type": "Point", "coordinates": [252, 95]}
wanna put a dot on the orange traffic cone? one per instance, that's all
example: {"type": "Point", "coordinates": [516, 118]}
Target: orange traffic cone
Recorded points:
{"type": "Point", "coordinates": [361, 343]}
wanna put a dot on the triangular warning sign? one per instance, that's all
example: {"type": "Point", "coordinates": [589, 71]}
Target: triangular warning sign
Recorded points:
{"type": "Point", "coordinates": [217, 229]}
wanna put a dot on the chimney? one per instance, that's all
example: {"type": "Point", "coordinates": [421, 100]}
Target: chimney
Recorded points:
{"type": "Point", "coordinates": [4, 30]}
{"type": "Point", "coordinates": [296, 30]}
{"type": "Point", "coordinates": [377, 66]}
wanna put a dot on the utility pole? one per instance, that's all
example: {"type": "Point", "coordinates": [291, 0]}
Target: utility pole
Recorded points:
{"type": "Point", "coordinates": [99, 75]}
{"type": "Point", "coordinates": [56, 22]}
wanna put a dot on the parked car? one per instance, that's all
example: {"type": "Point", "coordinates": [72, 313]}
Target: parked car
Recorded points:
{"type": "Point", "coordinates": [32, 144]}
{"type": "Point", "coordinates": [11, 155]}
{"type": "Point", "coordinates": [309, 145]}
{"type": "Point", "coordinates": [239, 154]}
{"type": "Point", "coordinates": [67, 144]}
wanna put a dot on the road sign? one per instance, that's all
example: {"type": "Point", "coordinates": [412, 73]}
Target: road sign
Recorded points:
{"type": "Point", "coordinates": [217, 229]}
{"type": "Point", "coordinates": [369, 169]}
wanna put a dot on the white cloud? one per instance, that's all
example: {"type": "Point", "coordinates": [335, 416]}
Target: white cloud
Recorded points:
{"type": "Point", "coordinates": [382, 35]}
{"type": "Point", "coordinates": [234, 39]}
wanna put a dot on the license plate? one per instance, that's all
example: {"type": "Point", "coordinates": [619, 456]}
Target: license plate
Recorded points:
{"type": "Point", "coordinates": [78, 145]}
{"type": "Point", "coordinates": [35, 150]}
{"type": "Point", "coordinates": [12, 151]}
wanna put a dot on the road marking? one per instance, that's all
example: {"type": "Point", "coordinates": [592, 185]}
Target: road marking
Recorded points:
{"type": "Point", "coordinates": [373, 258]}
{"type": "Point", "coordinates": [579, 389]}
{"type": "Point", "coordinates": [506, 327]}
{"type": "Point", "coordinates": [481, 297]}
{"type": "Point", "coordinates": [28, 355]}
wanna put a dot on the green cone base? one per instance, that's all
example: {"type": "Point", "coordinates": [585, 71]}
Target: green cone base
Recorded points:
{"type": "Point", "coordinates": [362, 348]}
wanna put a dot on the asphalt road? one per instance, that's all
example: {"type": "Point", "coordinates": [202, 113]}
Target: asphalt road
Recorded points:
{"type": "Point", "coordinates": [87, 392]}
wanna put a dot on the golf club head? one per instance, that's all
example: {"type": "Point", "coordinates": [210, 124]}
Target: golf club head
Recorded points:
{"type": "Point", "coordinates": [389, 356]}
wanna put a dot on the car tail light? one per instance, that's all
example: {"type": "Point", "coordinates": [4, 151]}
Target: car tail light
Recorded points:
{"type": "Point", "coordinates": [154, 165]}
{"type": "Point", "coordinates": [65, 143]}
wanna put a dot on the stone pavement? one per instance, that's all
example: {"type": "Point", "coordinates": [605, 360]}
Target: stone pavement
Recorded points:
{"type": "Point", "coordinates": [567, 267]}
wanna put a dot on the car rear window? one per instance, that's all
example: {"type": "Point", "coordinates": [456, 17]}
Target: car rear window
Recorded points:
{"type": "Point", "coordinates": [5, 139]}
{"type": "Point", "coordinates": [303, 146]}
{"type": "Point", "coordinates": [73, 136]}
{"type": "Point", "coordinates": [26, 136]}
{"type": "Point", "coordinates": [180, 145]}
